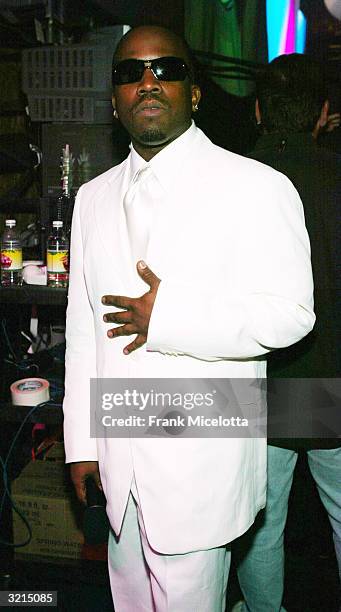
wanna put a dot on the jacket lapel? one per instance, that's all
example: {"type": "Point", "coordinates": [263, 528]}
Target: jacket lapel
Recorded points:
{"type": "Point", "coordinates": [112, 228]}
{"type": "Point", "coordinates": [177, 213]}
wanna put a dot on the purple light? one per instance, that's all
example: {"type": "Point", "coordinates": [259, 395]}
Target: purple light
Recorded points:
{"type": "Point", "coordinates": [291, 28]}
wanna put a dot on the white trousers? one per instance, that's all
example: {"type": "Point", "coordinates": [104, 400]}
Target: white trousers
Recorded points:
{"type": "Point", "coordinates": [143, 580]}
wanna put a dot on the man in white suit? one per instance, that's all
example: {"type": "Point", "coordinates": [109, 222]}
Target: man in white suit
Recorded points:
{"type": "Point", "coordinates": [228, 279]}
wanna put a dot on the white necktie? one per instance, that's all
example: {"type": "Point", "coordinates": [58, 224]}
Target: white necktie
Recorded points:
{"type": "Point", "coordinates": [138, 206]}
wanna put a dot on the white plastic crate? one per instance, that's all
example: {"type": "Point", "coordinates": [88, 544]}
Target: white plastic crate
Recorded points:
{"type": "Point", "coordinates": [69, 70]}
{"type": "Point", "coordinates": [54, 8]}
{"type": "Point", "coordinates": [69, 108]}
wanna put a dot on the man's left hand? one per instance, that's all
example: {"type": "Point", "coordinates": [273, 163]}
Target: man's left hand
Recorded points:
{"type": "Point", "coordinates": [136, 312]}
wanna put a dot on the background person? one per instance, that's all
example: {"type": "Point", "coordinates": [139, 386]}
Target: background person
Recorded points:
{"type": "Point", "coordinates": [291, 109]}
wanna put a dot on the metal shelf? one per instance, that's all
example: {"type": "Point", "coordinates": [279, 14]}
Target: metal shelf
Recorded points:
{"type": "Point", "coordinates": [49, 415]}
{"type": "Point", "coordinates": [34, 294]}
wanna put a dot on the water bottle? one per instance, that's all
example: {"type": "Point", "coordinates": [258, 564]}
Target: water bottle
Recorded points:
{"type": "Point", "coordinates": [57, 257]}
{"type": "Point", "coordinates": [65, 201]}
{"type": "Point", "coordinates": [11, 256]}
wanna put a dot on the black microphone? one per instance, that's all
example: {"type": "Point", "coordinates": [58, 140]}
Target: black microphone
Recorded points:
{"type": "Point", "coordinates": [95, 521]}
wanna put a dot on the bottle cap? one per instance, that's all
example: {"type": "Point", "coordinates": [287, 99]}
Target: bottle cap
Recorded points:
{"type": "Point", "coordinates": [57, 223]}
{"type": "Point", "coordinates": [10, 222]}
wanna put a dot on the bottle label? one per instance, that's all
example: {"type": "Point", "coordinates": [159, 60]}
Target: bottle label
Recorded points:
{"type": "Point", "coordinates": [57, 261]}
{"type": "Point", "coordinates": [11, 259]}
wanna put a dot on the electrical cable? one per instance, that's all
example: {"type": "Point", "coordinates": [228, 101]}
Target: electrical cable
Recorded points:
{"type": "Point", "coordinates": [6, 492]}
{"type": "Point", "coordinates": [56, 388]}
{"type": "Point", "coordinates": [9, 345]}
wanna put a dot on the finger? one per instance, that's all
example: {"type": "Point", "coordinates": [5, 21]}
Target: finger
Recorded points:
{"type": "Point", "coordinates": [123, 330]}
{"type": "Point", "coordinates": [147, 275]}
{"type": "Point", "coordinates": [80, 492]}
{"type": "Point", "coordinates": [332, 126]}
{"type": "Point", "coordinates": [139, 341]}
{"type": "Point", "coordinates": [79, 472]}
{"type": "Point", "coordinates": [120, 301]}
{"type": "Point", "coordinates": [79, 485]}
{"type": "Point", "coordinates": [117, 317]}
{"type": "Point", "coordinates": [98, 481]}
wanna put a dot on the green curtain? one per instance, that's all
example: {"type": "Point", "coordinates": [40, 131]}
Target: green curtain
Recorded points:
{"type": "Point", "coordinates": [228, 27]}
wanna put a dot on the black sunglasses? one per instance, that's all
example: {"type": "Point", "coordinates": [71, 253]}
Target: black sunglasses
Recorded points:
{"type": "Point", "coordinates": [163, 68]}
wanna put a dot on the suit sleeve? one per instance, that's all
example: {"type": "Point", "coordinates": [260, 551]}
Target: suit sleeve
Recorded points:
{"type": "Point", "coordinates": [80, 358]}
{"type": "Point", "coordinates": [273, 308]}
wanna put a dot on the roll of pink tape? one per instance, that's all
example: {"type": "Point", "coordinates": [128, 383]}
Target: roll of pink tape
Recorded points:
{"type": "Point", "coordinates": [30, 391]}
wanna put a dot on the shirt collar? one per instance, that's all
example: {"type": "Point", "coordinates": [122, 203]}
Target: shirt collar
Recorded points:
{"type": "Point", "coordinates": [165, 163]}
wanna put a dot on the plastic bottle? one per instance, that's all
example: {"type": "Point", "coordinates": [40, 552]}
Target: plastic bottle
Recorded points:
{"type": "Point", "coordinates": [65, 200]}
{"type": "Point", "coordinates": [57, 257]}
{"type": "Point", "coordinates": [11, 256]}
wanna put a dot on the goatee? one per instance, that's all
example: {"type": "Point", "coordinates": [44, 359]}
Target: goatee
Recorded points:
{"type": "Point", "coordinates": [152, 136]}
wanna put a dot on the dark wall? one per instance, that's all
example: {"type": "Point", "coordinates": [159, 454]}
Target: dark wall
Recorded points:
{"type": "Point", "coordinates": [169, 13]}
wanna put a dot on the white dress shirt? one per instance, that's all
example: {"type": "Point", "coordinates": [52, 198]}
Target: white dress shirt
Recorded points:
{"type": "Point", "coordinates": [145, 197]}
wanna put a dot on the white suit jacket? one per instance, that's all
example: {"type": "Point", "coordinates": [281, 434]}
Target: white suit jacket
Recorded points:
{"type": "Point", "coordinates": [232, 253]}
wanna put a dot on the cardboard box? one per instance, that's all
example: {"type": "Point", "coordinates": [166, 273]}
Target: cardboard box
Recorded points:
{"type": "Point", "coordinates": [44, 493]}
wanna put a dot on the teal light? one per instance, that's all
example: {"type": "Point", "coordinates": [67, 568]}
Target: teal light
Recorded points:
{"type": "Point", "coordinates": [301, 32]}
{"type": "Point", "coordinates": [276, 19]}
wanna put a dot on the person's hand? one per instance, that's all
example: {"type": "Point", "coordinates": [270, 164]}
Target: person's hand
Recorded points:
{"type": "Point", "coordinates": [135, 313]}
{"type": "Point", "coordinates": [80, 472]}
{"type": "Point", "coordinates": [333, 121]}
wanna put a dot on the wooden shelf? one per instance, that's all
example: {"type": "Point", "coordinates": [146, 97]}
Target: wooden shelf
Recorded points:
{"type": "Point", "coordinates": [34, 294]}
